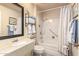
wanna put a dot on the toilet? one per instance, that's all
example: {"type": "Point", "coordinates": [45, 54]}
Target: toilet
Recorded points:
{"type": "Point", "coordinates": [38, 50]}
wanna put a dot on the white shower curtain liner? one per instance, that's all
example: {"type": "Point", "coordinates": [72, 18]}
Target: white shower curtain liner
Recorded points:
{"type": "Point", "coordinates": [65, 17]}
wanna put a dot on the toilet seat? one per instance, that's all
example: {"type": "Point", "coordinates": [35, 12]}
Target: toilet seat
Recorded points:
{"type": "Point", "coordinates": [38, 49]}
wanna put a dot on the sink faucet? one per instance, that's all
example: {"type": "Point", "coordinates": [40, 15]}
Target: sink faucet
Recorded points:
{"type": "Point", "coordinates": [16, 40]}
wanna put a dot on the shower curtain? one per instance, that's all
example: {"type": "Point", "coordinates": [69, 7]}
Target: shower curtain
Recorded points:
{"type": "Point", "coordinates": [65, 17]}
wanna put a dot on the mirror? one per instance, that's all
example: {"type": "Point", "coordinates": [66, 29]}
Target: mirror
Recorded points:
{"type": "Point", "coordinates": [11, 20]}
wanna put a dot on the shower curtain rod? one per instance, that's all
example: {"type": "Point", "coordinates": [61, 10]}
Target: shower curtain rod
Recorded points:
{"type": "Point", "coordinates": [56, 8]}
{"type": "Point", "coordinates": [73, 5]}
{"type": "Point", "coordinates": [49, 9]}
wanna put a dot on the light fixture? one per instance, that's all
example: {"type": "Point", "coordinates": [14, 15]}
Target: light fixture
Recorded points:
{"type": "Point", "coordinates": [50, 20]}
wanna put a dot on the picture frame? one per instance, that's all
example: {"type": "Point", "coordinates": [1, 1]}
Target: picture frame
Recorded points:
{"type": "Point", "coordinates": [12, 21]}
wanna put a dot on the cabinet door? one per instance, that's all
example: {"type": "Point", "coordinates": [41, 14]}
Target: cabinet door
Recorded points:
{"type": "Point", "coordinates": [24, 51]}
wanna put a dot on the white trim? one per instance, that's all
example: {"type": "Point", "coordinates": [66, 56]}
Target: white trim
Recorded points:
{"type": "Point", "coordinates": [52, 8]}
{"type": "Point", "coordinates": [49, 9]}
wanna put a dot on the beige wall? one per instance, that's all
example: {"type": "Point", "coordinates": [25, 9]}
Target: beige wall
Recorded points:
{"type": "Point", "coordinates": [30, 7]}
{"type": "Point", "coordinates": [32, 11]}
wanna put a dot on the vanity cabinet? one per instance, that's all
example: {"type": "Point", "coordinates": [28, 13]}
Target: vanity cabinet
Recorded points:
{"type": "Point", "coordinates": [23, 51]}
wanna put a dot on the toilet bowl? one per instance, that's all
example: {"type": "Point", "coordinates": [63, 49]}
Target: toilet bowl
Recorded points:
{"type": "Point", "coordinates": [38, 50]}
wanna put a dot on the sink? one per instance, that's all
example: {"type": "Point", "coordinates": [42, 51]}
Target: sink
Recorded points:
{"type": "Point", "coordinates": [18, 43]}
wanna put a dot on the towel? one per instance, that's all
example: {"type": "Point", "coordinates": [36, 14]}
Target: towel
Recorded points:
{"type": "Point", "coordinates": [73, 32]}
{"type": "Point", "coordinates": [11, 27]}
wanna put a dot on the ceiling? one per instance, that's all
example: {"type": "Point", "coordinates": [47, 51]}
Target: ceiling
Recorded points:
{"type": "Point", "coordinates": [45, 6]}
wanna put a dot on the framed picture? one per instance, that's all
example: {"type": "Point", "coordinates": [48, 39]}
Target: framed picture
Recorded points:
{"type": "Point", "coordinates": [12, 21]}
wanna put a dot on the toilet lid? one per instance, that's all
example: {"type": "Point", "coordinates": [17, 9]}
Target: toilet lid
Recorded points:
{"type": "Point", "coordinates": [38, 47]}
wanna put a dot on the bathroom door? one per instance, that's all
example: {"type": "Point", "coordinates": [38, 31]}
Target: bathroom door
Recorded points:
{"type": "Point", "coordinates": [50, 36]}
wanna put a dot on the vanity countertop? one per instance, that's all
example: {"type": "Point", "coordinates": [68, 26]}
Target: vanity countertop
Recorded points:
{"type": "Point", "coordinates": [6, 50]}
